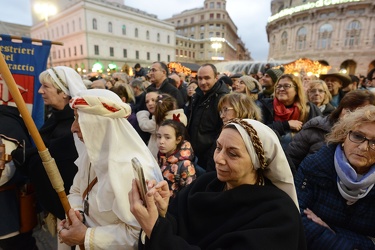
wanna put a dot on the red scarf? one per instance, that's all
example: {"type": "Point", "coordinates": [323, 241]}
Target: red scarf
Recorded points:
{"type": "Point", "coordinates": [281, 113]}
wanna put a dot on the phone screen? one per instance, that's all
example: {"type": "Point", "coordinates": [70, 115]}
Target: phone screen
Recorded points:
{"type": "Point", "coordinates": [139, 178]}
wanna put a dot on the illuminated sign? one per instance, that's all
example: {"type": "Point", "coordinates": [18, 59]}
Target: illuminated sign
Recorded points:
{"type": "Point", "coordinates": [307, 6]}
{"type": "Point", "coordinates": [97, 67]}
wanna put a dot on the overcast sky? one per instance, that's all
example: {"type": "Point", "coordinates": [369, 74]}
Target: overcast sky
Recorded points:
{"type": "Point", "coordinates": [250, 17]}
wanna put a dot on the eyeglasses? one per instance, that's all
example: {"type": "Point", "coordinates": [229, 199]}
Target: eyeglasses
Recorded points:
{"type": "Point", "coordinates": [359, 138]}
{"type": "Point", "coordinates": [284, 86]}
{"type": "Point", "coordinates": [224, 110]}
{"type": "Point", "coordinates": [320, 91]}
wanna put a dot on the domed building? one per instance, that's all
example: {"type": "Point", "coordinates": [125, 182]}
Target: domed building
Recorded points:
{"type": "Point", "coordinates": [338, 33]}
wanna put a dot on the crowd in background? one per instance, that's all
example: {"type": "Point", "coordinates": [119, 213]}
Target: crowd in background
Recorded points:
{"type": "Point", "coordinates": [323, 128]}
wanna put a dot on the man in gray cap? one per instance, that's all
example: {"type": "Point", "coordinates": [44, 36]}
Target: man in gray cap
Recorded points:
{"type": "Point", "coordinates": [335, 82]}
{"type": "Point", "coordinates": [269, 80]}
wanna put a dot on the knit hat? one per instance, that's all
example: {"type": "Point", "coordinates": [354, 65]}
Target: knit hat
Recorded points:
{"type": "Point", "coordinates": [274, 74]}
{"type": "Point", "coordinates": [252, 84]}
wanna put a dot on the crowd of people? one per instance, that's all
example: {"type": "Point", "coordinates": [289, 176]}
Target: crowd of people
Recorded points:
{"type": "Point", "coordinates": [263, 161]}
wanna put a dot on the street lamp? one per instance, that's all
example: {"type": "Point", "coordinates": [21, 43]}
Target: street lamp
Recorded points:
{"type": "Point", "coordinates": [46, 9]}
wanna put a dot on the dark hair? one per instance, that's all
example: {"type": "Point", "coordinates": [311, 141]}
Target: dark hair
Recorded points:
{"type": "Point", "coordinates": [369, 75]}
{"type": "Point", "coordinates": [164, 67]}
{"type": "Point", "coordinates": [351, 101]}
{"type": "Point", "coordinates": [123, 91]}
{"type": "Point", "coordinates": [164, 104]}
{"type": "Point", "coordinates": [137, 65]}
{"type": "Point", "coordinates": [179, 128]}
{"type": "Point", "coordinates": [354, 78]}
{"type": "Point", "coordinates": [212, 67]}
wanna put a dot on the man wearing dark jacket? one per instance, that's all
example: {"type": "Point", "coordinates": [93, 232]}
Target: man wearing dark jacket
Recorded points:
{"type": "Point", "coordinates": [205, 123]}
{"type": "Point", "coordinates": [159, 78]}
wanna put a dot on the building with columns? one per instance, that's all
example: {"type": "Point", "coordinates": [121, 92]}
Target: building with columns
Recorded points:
{"type": "Point", "coordinates": [207, 35]}
{"type": "Point", "coordinates": [102, 35]}
{"type": "Point", "coordinates": [338, 33]}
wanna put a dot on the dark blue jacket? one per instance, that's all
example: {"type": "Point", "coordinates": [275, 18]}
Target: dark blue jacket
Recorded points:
{"type": "Point", "coordinates": [317, 190]}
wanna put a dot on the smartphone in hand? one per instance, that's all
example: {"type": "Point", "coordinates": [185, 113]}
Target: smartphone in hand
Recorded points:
{"type": "Point", "coordinates": [140, 179]}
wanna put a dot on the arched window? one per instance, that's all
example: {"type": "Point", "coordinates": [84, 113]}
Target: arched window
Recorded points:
{"type": "Point", "coordinates": [353, 33]}
{"type": "Point", "coordinates": [158, 37]}
{"type": "Point", "coordinates": [324, 36]}
{"type": "Point", "coordinates": [136, 32]}
{"type": "Point", "coordinates": [94, 24]}
{"type": "Point", "coordinates": [148, 35]}
{"type": "Point", "coordinates": [110, 27]}
{"type": "Point", "coordinates": [284, 41]}
{"type": "Point", "coordinates": [301, 39]}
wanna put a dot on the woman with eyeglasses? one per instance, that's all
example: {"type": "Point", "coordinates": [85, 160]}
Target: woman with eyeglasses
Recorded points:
{"type": "Point", "coordinates": [318, 93]}
{"type": "Point", "coordinates": [311, 138]}
{"type": "Point", "coordinates": [335, 186]}
{"type": "Point", "coordinates": [289, 109]}
{"type": "Point", "coordinates": [238, 105]}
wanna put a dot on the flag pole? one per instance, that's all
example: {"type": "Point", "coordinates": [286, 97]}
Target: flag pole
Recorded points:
{"type": "Point", "coordinates": [48, 162]}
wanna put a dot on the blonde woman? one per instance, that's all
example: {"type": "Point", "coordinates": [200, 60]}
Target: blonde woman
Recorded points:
{"type": "Point", "coordinates": [238, 105]}
{"type": "Point", "coordinates": [319, 94]}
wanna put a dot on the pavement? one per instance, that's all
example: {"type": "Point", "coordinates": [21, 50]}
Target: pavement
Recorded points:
{"type": "Point", "coordinates": [44, 239]}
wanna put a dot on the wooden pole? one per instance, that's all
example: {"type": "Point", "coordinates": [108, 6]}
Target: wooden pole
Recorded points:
{"type": "Point", "coordinates": [48, 162]}
{"type": "Point", "coordinates": [37, 40]}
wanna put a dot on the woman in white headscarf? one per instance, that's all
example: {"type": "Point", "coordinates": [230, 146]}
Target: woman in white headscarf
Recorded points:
{"type": "Point", "coordinates": [105, 173]}
{"type": "Point", "coordinates": [58, 85]}
{"type": "Point", "coordinates": [249, 202]}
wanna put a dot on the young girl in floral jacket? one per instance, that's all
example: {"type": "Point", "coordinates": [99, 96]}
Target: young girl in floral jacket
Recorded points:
{"type": "Point", "coordinates": [175, 156]}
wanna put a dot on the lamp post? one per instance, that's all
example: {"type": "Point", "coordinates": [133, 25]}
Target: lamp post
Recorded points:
{"type": "Point", "coordinates": [46, 9]}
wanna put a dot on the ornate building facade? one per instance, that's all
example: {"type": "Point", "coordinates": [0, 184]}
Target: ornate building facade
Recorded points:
{"type": "Point", "coordinates": [103, 35]}
{"type": "Point", "coordinates": [207, 34]}
{"type": "Point", "coordinates": [338, 33]}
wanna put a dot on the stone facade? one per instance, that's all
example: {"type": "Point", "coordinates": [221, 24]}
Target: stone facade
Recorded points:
{"type": "Point", "coordinates": [106, 33]}
{"type": "Point", "coordinates": [339, 33]}
{"type": "Point", "coordinates": [207, 35]}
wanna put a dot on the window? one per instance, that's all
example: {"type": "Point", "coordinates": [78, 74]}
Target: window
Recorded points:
{"type": "Point", "coordinates": [192, 29]}
{"type": "Point", "coordinates": [212, 5]}
{"type": "Point", "coordinates": [169, 58]}
{"type": "Point", "coordinates": [202, 17]}
{"type": "Point", "coordinates": [159, 57]}
{"type": "Point", "coordinates": [96, 49]}
{"type": "Point", "coordinates": [74, 26]}
{"type": "Point", "coordinates": [211, 16]}
{"type": "Point", "coordinates": [202, 27]}
{"type": "Point", "coordinates": [211, 34]}
{"type": "Point", "coordinates": [125, 53]}
{"type": "Point", "coordinates": [136, 54]}
{"type": "Point", "coordinates": [284, 41]}
{"type": "Point", "coordinates": [58, 54]}
{"type": "Point", "coordinates": [218, 5]}
{"type": "Point", "coordinates": [301, 39]}
{"type": "Point", "coordinates": [148, 55]}
{"type": "Point", "coordinates": [67, 28]}
{"type": "Point", "coordinates": [111, 51]}
{"type": "Point", "coordinates": [148, 35]}
{"type": "Point", "coordinates": [218, 16]}
{"type": "Point", "coordinates": [202, 46]}
{"type": "Point", "coordinates": [136, 32]}
{"type": "Point", "coordinates": [202, 36]}
{"type": "Point", "coordinates": [110, 27]}
{"type": "Point", "coordinates": [94, 24]}
{"type": "Point", "coordinates": [62, 30]}
{"type": "Point", "coordinates": [79, 24]}
{"type": "Point", "coordinates": [75, 50]}
{"type": "Point", "coordinates": [324, 36]}
{"type": "Point", "coordinates": [353, 33]}
{"type": "Point", "coordinates": [158, 37]}
{"type": "Point", "coordinates": [185, 21]}
{"type": "Point", "coordinates": [81, 47]}
{"type": "Point", "coordinates": [124, 29]}
{"type": "Point", "coordinates": [176, 52]}
{"type": "Point", "coordinates": [64, 55]}
{"type": "Point", "coordinates": [192, 20]}
{"type": "Point", "coordinates": [168, 39]}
